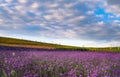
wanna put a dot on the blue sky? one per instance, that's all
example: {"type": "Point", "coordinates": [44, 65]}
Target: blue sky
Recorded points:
{"type": "Point", "coordinates": [90, 23]}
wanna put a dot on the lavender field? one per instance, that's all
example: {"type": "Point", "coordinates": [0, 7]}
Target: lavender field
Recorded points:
{"type": "Point", "coordinates": [59, 64]}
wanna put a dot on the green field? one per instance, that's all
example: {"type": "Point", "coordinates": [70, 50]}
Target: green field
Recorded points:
{"type": "Point", "coordinates": [28, 43]}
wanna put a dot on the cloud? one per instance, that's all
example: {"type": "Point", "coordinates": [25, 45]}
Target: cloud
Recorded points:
{"type": "Point", "coordinates": [113, 6]}
{"type": "Point", "coordinates": [101, 16]}
{"type": "Point", "coordinates": [117, 21]}
{"type": "Point", "coordinates": [22, 1]}
{"type": "Point", "coordinates": [90, 12]}
{"type": "Point", "coordinates": [101, 23]}
{"type": "Point", "coordinates": [9, 1]}
{"type": "Point", "coordinates": [70, 5]}
{"type": "Point", "coordinates": [19, 7]}
{"type": "Point", "coordinates": [48, 17]}
{"type": "Point", "coordinates": [53, 5]}
{"type": "Point", "coordinates": [76, 19]}
{"type": "Point", "coordinates": [67, 19]}
{"type": "Point", "coordinates": [114, 2]}
{"type": "Point", "coordinates": [35, 5]}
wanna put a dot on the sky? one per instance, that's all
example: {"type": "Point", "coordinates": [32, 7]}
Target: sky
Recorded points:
{"type": "Point", "coordinates": [88, 23]}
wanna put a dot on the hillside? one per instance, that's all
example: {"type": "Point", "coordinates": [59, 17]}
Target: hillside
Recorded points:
{"type": "Point", "coordinates": [13, 42]}
{"type": "Point", "coordinates": [5, 41]}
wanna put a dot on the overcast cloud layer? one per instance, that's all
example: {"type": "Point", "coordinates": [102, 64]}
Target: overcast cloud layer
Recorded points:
{"type": "Point", "coordinates": [95, 20]}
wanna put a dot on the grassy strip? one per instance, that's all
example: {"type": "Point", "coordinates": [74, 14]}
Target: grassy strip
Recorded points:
{"type": "Point", "coordinates": [34, 44]}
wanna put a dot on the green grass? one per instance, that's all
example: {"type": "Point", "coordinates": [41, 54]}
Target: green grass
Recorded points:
{"type": "Point", "coordinates": [14, 41]}
{"type": "Point", "coordinates": [6, 40]}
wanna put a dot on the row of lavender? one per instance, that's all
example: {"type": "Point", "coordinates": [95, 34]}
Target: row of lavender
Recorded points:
{"type": "Point", "coordinates": [59, 64]}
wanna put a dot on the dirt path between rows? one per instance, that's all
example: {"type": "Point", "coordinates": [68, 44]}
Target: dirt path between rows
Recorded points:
{"type": "Point", "coordinates": [28, 46]}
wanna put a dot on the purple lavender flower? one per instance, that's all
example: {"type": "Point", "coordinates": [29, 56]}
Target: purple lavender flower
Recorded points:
{"type": "Point", "coordinates": [59, 64]}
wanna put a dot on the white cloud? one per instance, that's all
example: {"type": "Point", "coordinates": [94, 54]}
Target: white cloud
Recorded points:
{"type": "Point", "coordinates": [22, 1]}
{"type": "Point", "coordinates": [101, 16]}
{"type": "Point", "coordinates": [101, 23]}
{"type": "Point", "coordinates": [70, 33]}
{"type": "Point", "coordinates": [35, 5]}
{"type": "Point", "coordinates": [111, 16]}
{"type": "Point", "coordinates": [53, 5]}
{"type": "Point", "coordinates": [43, 24]}
{"type": "Point", "coordinates": [59, 33]}
{"type": "Point", "coordinates": [3, 4]}
{"type": "Point", "coordinates": [9, 1]}
{"type": "Point", "coordinates": [117, 21]}
{"type": "Point", "coordinates": [90, 12]}
{"type": "Point", "coordinates": [113, 7]}
{"type": "Point", "coordinates": [48, 17]}
{"type": "Point", "coordinates": [57, 14]}
{"type": "Point", "coordinates": [97, 29]}
{"type": "Point", "coordinates": [80, 17]}
{"type": "Point", "coordinates": [19, 7]}
{"type": "Point", "coordinates": [70, 5]}
{"type": "Point", "coordinates": [76, 19]}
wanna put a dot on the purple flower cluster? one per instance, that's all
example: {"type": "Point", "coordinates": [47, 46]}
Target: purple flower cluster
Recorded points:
{"type": "Point", "coordinates": [59, 64]}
